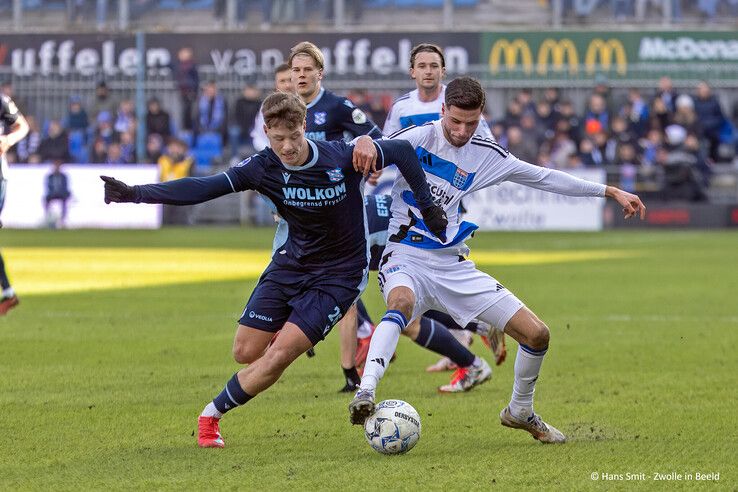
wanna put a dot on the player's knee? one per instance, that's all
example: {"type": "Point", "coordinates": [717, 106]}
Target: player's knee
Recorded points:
{"type": "Point", "coordinates": [539, 335]}
{"type": "Point", "coordinates": [243, 354]}
{"type": "Point", "coordinates": [402, 302]}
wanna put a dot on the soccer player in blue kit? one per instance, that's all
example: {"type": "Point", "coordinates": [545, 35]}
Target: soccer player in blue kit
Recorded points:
{"type": "Point", "coordinates": [321, 268]}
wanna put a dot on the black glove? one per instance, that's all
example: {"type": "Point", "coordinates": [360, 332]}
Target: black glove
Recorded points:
{"type": "Point", "coordinates": [118, 191]}
{"type": "Point", "coordinates": [436, 221]}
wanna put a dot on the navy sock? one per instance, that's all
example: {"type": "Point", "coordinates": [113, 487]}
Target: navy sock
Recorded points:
{"type": "Point", "coordinates": [436, 337]}
{"type": "Point", "coordinates": [4, 282]}
{"type": "Point", "coordinates": [232, 396]}
{"type": "Point", "coordinates": [363, 313]}
{"type": "Point", "coordinates": [446, 320]}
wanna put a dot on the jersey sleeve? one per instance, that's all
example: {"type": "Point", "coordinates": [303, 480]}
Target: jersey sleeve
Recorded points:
{"type": "Point", "coordinates": [8, 111]}
{"type": "Point", "coordinates": [355, 121]}
{"type": "Point", "coordinates": [259, 139]}
{"type": "Point", "coordinates": [498, 168]}
{"type": "Point", "coordinates": [392, 123]}
{"type": "Point", "coordinates": [247, 174]}
{"type": "Point", "coordinates": [414, 134]}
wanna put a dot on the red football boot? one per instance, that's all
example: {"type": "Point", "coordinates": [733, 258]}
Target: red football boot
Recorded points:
{"type": "Point", "coordinates": [208, 433]}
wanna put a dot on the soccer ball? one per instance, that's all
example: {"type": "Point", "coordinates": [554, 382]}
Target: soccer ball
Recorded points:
{"type": "Point", "coordinates": [394, 428]}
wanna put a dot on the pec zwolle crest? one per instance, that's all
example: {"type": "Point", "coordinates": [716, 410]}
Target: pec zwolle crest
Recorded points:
{"type": "Point", "coordinates": [320, 117]}
{"type": "Point", "coordinates": [460, 178]}
{"type": "Point", "coordinates": [335, 175]}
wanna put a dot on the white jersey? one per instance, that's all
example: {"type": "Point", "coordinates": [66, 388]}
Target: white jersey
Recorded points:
{"type": "Point", "coordinates": [259, 139]}
{"type": "Point", "coordinates": [409, 110]}
{"type": "Point", "coordinates": [453, 172]}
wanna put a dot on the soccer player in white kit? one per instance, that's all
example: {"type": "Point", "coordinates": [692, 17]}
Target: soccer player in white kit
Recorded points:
{"type": "Point", "coordinates": [420, 273]}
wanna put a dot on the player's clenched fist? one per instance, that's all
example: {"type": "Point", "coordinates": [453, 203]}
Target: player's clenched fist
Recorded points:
{"type": "Point", "coordinates": [436, 220]}
{"type": "Point", "coordinates": [118, 191]}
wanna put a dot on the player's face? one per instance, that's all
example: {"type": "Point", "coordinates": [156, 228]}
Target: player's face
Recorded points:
{"type": "Point", "coordinates": [306, 76]}
{"type": "Point", "coordinates": [459, 124]}
{"type": "Point", "coordinates": [288, 143]}
{"type": "Point", "coordinates": [427, 71]}
{"type": "Point", "coordinates": [283, 81]}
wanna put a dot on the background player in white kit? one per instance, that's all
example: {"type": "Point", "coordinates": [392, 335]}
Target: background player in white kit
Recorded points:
{"type": "Point", "coordinates": [421, 273]}
{"type": "Point", "coordinates": [417, 107]}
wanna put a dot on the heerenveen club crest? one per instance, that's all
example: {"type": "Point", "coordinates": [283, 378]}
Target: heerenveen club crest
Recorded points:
{"type": "Point", "coordinates": [335, 175]}
{"type": "Point", "coordinates": [320, 117]}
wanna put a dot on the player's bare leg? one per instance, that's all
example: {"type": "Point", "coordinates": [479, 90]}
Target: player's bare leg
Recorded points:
{"type": "Point", "coordinates": [400, 305]}
{"type": "Point", "coordinates": [249, 344]}
{"type": "Point", "coordinates": [252, 380]}
{"type": "Point", "coordinates": [347, 331]}
{"type": "Point", "coordinates": [532, 335]}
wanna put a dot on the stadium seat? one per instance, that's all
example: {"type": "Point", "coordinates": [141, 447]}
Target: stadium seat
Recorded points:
{"type": "Point", "coordinates": [208, 147]}
{"type": "Point", "coordinates": [186, 137]}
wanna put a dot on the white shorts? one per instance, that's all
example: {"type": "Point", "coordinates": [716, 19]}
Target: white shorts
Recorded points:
{"type": "Point", "coordinates": [447, 282]}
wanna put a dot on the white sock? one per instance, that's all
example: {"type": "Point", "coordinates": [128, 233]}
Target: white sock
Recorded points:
{"type": "Point", "coordinates": [527, 366]}
{"type": "Point", "coordinates": [211, 411]}
{"type": "Point", "coordinates": [9, 292]}
{"type": "Point", "coordinates": [382, 346]}
{"type": "Point", "coordinates": [477, 362]}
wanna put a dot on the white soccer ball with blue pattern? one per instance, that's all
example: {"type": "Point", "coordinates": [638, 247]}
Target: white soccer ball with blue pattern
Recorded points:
{"type": "Point", "coordinates": [394, 428]}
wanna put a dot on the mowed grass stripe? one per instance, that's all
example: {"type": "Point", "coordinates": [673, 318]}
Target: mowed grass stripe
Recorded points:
{"type": "Point", "coordinates": [56, 270]}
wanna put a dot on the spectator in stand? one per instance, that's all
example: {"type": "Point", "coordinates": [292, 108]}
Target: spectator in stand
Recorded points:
{"type": "Point", "coordinates": [620, 132]}
{"type": "Point", "coordinates": [552, 97]}
{"type": "Point", "coordinates": [115, 156]}
{"type": "Point", "coordinates": [56, 145]}
{"type": "Point", "coordinates": [660, 115]}
{"type": "Point", "coordinates": [27, 149]}
{"type": "Point", "coordinates": [157, 120]}
{"type": "Point", "coordinates": [127, 147]}
{"type": "Point", "coordinates": [57, 190]}
{"type": "Point", "coordinates": [521, 147]}
{"type": "Point", "coordinates": [561, 147]}
{"type": "Point", "coordinates": [99, 152]}
{"type": "Point", "coordinates": [681, 167]}
{"type": "Point", "coordinates": [636, 113]}
{"type": "Point", "coordinates": [176, 163]}
{"type": "Point", "coordinates": [532, 131]}
{"type": "Point", "coordinates": [667, 94]}
{"type": "Point", "coordinates": [567, 113]}
{"type": "Point", "coordinates": [154, 148]}
{"type": "Point", "coordinates": [498, 132]}
{"type": "Point", "coordinates": [103, 101]}
{"type": "Point", "coordinates": [591, 155]}
{"type": "Point", "coordinates": [513, 113]}
{"type": "Point", "coordinates": [212, 111]}
{"type": "Point", "coordinates": [546, 118]}
{"type": "Point", "coordinates": [573, 161]}
{"type": "Point", "coordinates": [247, 107]}
{"type": "Point", "coordinates": [710, 117]}
{"type": "Point", "coordinates": [685, 115]}
{"type": "Point", "coordinates": [597, 111]}
{"type": "Point", "coordinates": [605, 146]}
{"type": "Point", "coordinates": [524, 97]}
{"type": "Point", "coordinates": [188, 83]}
{"type": "Point", "coordinates": [544, 158]}
{"type": "Point", "coordinates": [628, 164]}
{"type": "Point", "coordinates": [125, 119]}
{"type": "Point", "coordinates": [650, 145]}
{"type": "Point", "coordinates": [104, 128]}
{"type": "Point", "coordinates": [76, 119]}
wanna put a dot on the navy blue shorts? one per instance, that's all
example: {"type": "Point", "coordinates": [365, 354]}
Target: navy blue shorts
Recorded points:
{"type": "Point", "coordinates": [313, 301]}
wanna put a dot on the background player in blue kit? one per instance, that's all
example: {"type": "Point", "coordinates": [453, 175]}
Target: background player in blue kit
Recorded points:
{"type": "Point", "coordinates": [13, 129]}
{"type": "Point", "coordinates": [320, 269]}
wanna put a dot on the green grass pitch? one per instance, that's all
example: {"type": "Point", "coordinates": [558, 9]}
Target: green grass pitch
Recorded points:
{"type": "Point", "coordinates": [122, 337]}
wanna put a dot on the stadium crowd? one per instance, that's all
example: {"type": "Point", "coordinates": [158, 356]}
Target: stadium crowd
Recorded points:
{"type": "Point", "coordinates": [664, 141]}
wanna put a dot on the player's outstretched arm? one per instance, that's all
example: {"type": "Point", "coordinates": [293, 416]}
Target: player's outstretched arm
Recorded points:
{"type": "Point", "coordinates": [18, 132]}
{"type": "Point", "coordinates": [185, 191]}
{"type": "Point", "coordinates": [632, 205]}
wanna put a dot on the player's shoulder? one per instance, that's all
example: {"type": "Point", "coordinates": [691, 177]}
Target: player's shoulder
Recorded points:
{"type": "Point", "coordinates": [333, 149]}
{"type": "Point", "coordinates": [258, 159]}
{"type": "Point", "coordinates": [402, 100]}
{"type": "Point", "coordinates": [413, 131]}
{"type": "Point", "coordinates": [480, 142]}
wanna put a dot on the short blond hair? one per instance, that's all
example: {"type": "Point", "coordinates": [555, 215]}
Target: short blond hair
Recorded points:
{"type": "Point", "coordinates": [309, 49]}
{"type": "Point", "coordinates": [283, 108]}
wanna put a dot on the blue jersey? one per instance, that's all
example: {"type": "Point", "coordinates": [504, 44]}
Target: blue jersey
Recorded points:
{"type": "Point", "coordinates": [321, 201]}
{"type": "Point", "coordinates": [377, 208]}
{"type": "Point", "coordinates": [331, 117]}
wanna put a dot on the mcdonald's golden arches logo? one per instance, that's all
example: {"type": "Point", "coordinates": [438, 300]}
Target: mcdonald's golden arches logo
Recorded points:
{"type": "Point", "coordinates": [605, 50]}
{"type": "Point", "coordinates": [558, 51]}
{"type": "Point", "coordinates": [510, 51]}
{"type": "Point", "coordinates": [558, 55]}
